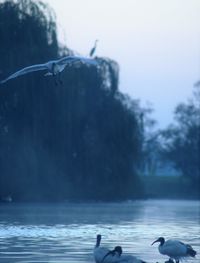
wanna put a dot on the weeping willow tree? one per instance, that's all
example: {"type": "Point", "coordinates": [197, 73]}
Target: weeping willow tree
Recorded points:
{"type": "Point", "coordinates": [103, 135]}
{"type": "Point", "coordinates": [78, 140]}
{"type": "Point", "coordinates": [28, 36]}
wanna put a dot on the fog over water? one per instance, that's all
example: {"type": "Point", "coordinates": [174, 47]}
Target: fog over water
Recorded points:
{"type": "Point", "coordinates": [67, 232]}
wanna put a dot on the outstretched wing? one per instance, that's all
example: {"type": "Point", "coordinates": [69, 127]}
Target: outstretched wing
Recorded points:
{"type": "Point", "coordinates": [66, 60]}
{"type": "Point", "coordinates": [88, 61]}
{"type": "Point", "coordinates": [25, 71]}
{"type": "Point", "coordinates": [71, 60]}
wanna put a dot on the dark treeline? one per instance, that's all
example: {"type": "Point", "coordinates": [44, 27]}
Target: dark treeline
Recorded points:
{"type": "Point", "coordinates": [181, 143]}
{"type": "Point", "coordinates": [177, 147]}
{"type": "Point", "coordinates": [80, 140]}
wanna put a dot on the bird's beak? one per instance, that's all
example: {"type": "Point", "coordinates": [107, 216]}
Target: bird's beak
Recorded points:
{"type": "Point", "coordinates": [155, 241]}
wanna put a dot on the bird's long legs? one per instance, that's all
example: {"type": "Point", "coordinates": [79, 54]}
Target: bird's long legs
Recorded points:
{"type": "Point", "coordinates": [55, 80]}
{"type": "Point", "coordinates": [170, 261]}
{"type": "Point", "coordinates": [58, 79]}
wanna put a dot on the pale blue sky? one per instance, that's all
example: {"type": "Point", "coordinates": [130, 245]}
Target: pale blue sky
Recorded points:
{"type": "Point", "coordinates": [155, 42]}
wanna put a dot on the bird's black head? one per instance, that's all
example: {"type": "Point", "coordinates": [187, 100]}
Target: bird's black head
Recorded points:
{"type": "Point", "coordinates": [118, 249]}
{"type": "Point", "coordinates": [161, 240]}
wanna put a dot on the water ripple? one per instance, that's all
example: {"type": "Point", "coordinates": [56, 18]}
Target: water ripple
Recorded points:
{"type": "Point", "coordinates": [67, 232]}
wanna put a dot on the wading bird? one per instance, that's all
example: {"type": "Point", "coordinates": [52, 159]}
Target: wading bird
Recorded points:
{"type": "Point", "coordinates": [174, 249]}
{"type": "Point", "coordinates": [104, 255]}
{"type": "Point", "coordinates": [117, 257]}
{"type": "Point", "coordinates": [117, 251]}
{"type": "Point", "coordinates": [53, 67]}
{"type": "Point", "coordinates": [94, 48]}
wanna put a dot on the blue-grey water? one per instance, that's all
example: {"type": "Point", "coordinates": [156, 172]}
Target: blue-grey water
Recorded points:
{"type": "Point", "coordinates": [67, 232]}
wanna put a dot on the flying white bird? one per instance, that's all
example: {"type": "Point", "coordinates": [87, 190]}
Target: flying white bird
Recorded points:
{"type": "Point", "coordinates": [53, 67]}
{"type": "Point", "coordinates": [174, 249]}
{"type": "Point", "coordinates": [94, 48]}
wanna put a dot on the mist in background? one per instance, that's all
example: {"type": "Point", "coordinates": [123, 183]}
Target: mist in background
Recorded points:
{"type": "Point", "coordinates": [156, 44]}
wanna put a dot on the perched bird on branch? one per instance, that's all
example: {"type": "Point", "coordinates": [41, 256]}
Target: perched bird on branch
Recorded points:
{"type": "Point", "coordinates": [92, 51]}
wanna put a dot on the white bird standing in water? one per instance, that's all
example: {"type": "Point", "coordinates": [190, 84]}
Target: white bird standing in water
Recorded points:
{"type": "Point", "coordinates": [115, 253]}
{"type": "Point", "coordinates": [53, 67]}
{"type": "Point", "coordinates": [104, 255]}
{"type": "Point", "coordinates": [174, 249]}
{"type": "Point", "coordinates": [94, 48]}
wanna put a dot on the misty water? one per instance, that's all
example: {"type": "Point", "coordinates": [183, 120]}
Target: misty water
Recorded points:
{"type": "Point", "coordinates": [67, 232]}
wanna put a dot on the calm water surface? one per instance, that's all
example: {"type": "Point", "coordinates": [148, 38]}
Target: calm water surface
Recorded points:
{"type": "Point", "coordinates": [67, 232]}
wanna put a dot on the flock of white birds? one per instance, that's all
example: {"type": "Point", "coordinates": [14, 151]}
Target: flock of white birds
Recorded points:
{"type": "Point", "coordinates": [174, 249]}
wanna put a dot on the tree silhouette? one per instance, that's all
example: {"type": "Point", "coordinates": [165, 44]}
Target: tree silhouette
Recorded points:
{"type": "Point", "coordinates": [78, 140]}
{"type": "Point", "coordinates": [182, 141]}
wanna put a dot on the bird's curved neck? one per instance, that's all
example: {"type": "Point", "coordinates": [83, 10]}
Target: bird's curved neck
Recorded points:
{"type": "Point", "coordinates": [162, 242]}
{"type": "Point", "coordinates": [98, 242]}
